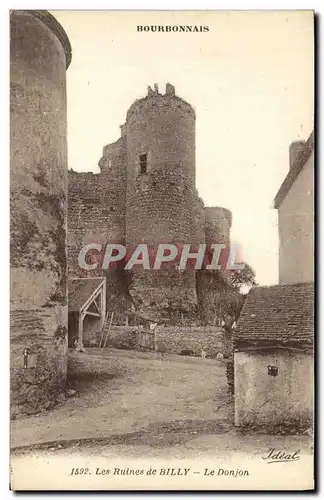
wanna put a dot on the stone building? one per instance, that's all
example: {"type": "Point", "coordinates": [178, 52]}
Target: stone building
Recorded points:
{"type": "Point", "coordinates": [274, 361]}
{"type": "Point", "coordinates": [295, 204]}
{"type": "Point", "coordinates": [40, 53]}
{"type": "Point", "coordinates": [274, 340]}
{"type": "Point", "coordinates": [146, 193]}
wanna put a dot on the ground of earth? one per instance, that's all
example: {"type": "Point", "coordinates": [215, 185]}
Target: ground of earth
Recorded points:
{"type": "Point", "coordinates": [132, 404]}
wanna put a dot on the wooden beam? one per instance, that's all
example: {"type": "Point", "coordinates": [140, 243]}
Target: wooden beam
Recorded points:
{"type": "Point", "coordinates": [98, 315]}
{"type": "Point", "coordinates": [94, 295]}
{"type": "Point", "coordinates": [104, 317]}
{"type": "Point", "coordinates": [103, 305]}
{"type": "Point", "coordinates": [96, 306]}
{"type": "Point", "coordinates": [103, 331]}
{"type": "Point", "coordinates": [111, 320]}
{"type": "Point", "coordinates": [81, 318]}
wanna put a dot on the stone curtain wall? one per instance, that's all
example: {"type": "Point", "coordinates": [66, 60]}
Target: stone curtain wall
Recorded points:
{"type": "Point", "coordinates": [195, 339]}
{"type": "Point", "coordinates": [39, 55]}
{"type": "Point", "coordinates": [97, 206]}
{"type": "Point", "coordinates": [174, 338]}
{"type": "Point", "coordinates": [96, 215]}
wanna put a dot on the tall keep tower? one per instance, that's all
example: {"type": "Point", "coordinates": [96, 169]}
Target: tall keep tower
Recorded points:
{"type": "Point", "coordinates": [160, 194]}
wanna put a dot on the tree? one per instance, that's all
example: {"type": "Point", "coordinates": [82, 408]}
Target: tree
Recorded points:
{"type": "Point", "coordinates": [224, 293]}
{"type": "Point", "coordinates": [234, 286]}
{"type": "Point", "coordinates": [228, 305]}
{"type": "Point", "coordinates": [238, 281]}
{"type": "Point", "coordinates": [239, 278]}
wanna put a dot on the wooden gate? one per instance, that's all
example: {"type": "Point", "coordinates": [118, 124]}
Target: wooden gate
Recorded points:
{"type": "Point", "coordinates": [146, 340]}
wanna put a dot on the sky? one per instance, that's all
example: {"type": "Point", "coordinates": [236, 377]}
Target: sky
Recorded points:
{"type": "Point", "coordinates": [250, 80]}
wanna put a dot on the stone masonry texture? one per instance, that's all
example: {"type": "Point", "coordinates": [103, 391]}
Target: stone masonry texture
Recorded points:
{"type": "Point", "coordinates": [145, 193]}
{"type": "Point", "coordinates": [175, 339]}
{"type": "Point", "coordinates": [39, 55]}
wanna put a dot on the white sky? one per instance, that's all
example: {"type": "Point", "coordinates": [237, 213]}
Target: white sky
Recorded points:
{"type": "Point", "coordinates": [250, 79]}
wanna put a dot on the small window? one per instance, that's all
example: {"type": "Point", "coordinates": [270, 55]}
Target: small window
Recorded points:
{"type": "Point", "coordinates": [143, 163]}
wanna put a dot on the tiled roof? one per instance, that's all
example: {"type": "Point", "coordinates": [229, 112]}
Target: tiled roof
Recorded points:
{"type": "Point", "coordinates": [80, 290]}
{"type": "Point", "coordinates": [277, 316]}
{"type": "Point", "coordinates": [294, 171]}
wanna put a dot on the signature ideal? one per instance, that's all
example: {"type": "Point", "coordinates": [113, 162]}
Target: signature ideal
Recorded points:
{"type": "Point", "coordinates": [275, 455]}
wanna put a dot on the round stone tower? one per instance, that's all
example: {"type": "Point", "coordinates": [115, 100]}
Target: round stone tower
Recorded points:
{"type": "Point", "coordinates": [160, 142]}
{"type": "Point", "coordinates": [40, 52]}
{"type": "Point", "coordinates": [218, 222]}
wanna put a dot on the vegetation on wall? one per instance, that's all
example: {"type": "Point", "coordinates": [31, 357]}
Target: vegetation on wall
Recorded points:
{"type": "Point", "coordinates": [227, 294]}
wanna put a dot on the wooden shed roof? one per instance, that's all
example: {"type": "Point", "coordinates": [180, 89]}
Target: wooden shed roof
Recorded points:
{"type": "Point", "coordinates": [80, 290]}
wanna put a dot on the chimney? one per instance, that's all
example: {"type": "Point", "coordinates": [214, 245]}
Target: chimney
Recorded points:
{"type": "Point", "coordinates": [156, 88]}
{"type": "Point", "coordinates": [169, 89]}
{"type": "Point", "coordinates": [294, 149]}
{"type": "Point", "coordinates": [149, 90]}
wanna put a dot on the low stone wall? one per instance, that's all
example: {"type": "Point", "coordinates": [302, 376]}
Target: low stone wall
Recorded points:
{"type": "Point", "coordinates": [174, 339]}
{"type": "Point", "coordinates": [121, 337]}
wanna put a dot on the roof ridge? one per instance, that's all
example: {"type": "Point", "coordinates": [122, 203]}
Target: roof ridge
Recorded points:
{"type": "Point", "coordinates": [293, 173]}
{"type": "Point", "coordinates": [277, 314]}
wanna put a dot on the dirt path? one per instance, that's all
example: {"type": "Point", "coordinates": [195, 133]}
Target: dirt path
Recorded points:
{"type": "Point", "coordinates": [124, 392]}
{"type": "Point", "coordinates": [132, 410]}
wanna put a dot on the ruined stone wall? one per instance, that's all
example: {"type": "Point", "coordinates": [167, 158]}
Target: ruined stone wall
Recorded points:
{"type": "Point", "coordinates": [160, 202]}
{"type": "Point", "coordinates": [218, 222]}
{"type": "Point", "coordinates": [113, 160]}
{"type": "Point", "coordinates": [97, 215]}
{"type": "Point", "coordinates": [39, 55]}
{"type": "Point", "coordinates": [124, 204]}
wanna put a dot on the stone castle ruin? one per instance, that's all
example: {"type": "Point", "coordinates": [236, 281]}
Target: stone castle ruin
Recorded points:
{"type": "Point", "coordinates": [146, 193]}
